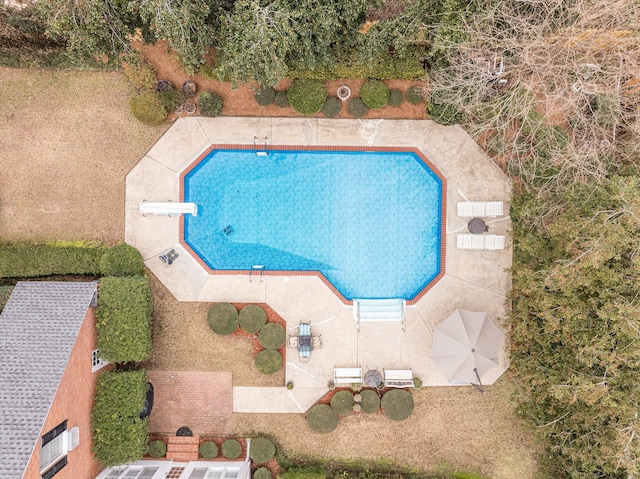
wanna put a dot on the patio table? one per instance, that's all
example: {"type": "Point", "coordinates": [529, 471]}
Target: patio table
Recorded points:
{"type": "Point", "coordinates": [373, 378]}
{"type": "Point", "coordinates": [477, 226]}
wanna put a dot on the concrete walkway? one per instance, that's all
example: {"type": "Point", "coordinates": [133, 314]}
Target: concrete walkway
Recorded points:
{"type": "Point", "coordinates": [474, 280]}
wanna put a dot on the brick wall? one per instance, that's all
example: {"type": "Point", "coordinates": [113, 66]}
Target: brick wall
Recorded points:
{"type": "Point", "coordinates": [73, 401]}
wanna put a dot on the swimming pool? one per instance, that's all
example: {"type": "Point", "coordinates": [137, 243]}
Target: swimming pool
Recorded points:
{"type": "Point", "coordinates": [369, 222]}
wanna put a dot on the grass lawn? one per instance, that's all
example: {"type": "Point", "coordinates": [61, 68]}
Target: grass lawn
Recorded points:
{"type": "Point", "coordinates": [68, 141]}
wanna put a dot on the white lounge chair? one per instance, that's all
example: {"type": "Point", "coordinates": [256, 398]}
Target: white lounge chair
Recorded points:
{"type": "Point", "coordinates": [169, 209]}
{"type": "Point", "coordinates": [480, 242]}
{"type": "Point", "coordinates": [479, 209]}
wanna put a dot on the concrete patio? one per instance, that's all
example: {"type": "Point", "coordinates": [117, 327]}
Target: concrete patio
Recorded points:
{"type": "Point", "coordinates": [473, 280]}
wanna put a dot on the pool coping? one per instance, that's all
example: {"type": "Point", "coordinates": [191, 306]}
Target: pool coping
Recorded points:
{"type": "Point", "coordinates": [385, 149]}
{"type": "Point", "coordinates": [474, 280]}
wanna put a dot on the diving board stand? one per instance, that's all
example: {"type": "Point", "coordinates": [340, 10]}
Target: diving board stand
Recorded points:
{"type": "Point", "coordinates": [168, 209]}
{"type": "Point", "coordinates": [379, 310]}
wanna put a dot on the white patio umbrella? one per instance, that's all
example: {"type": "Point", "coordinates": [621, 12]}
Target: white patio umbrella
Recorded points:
{"type": "Point", "coordinates": [466, 346]}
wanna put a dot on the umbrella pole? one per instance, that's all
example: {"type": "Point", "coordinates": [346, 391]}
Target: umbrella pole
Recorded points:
{"type": "Point", "coordinates": [478, 386]}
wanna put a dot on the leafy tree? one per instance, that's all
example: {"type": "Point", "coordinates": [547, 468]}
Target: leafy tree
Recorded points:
{"type": "Point", "coordinates": [183, 23]}
{"type": "Point", "coordinates": [91, 27]}
{"type": "Point", "coordinates": [575, 328]}
{"type": "Point", "coordinates": [257, 38]}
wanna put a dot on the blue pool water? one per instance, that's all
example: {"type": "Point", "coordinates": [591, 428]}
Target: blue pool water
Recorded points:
{"type": "Point", "coordinates": [370, 222]}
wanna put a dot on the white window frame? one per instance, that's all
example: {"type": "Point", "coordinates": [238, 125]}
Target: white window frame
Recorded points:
{"type": "Point", "coordinates": [97, 363]}
{"type": "Point", "coordinates": [61, 443]}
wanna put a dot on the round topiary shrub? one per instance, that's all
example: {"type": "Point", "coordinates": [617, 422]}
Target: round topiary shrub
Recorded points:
{"type": "Point", "coordinates": [322, 418]}
{"type": "Point", "coordinates": [261, 472]}
{"type": "Point", "coordinates": [209, 450]}
{"type": "Point", "coordinates": [157, 449]}
{"type": "Point", "coordinates": [342, 403]}
{"type": "Point", "coordinates": [415, 94]}
{"type": "Point", "coordinates": [262, 450]}
{"type": "Point", "coordinates": [268, 361]}
{"type": "Point", "coordinates": [307, 96]}
{"type": "Point", "coordinates": [370, 402]}
{"type": "Point", "coordinates": [397, 404]}
{"type": "Point", "coordinates": [374, 93]}
{"type": "Point", "coordinates": [223, 318]}
{"type": "Point", "coordinates": [272, 336]}
{"type": "Point", "coordinates": [281, 99]}
{"type": "Point", "coordinates": [171, 99]}
{"type": "Point", "coordinates": [417, 383]}
{"type": "Point", "coordinates": [265, 95]}
{"type": "Point", "coordinates": [210, 103]}
{"type": "Point", "coordinates": [231, 449]}
{"type": "Point", "coordinates": [252, 318]}
{"type": "Point", "coordinates": [357, 108]}
{"type": "Point", "coordinates": [332, 107]}
{"type": "Point", "coordinates": [395, 97]}
{"type": "Point", "coordinates": [147, 108]}
{"type": "Point", "coordinates": [121, 260]}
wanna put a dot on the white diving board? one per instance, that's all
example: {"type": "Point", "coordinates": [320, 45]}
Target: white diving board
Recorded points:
{"type": "Point", "coordinates": [169, 209]}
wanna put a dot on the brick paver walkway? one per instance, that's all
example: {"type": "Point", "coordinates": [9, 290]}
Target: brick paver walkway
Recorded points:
{"type": "Point", "coordinates": [203, 401]}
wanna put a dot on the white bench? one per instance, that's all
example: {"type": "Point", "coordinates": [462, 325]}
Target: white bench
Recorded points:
{"type": "Point", "coordinates": [398, 378]}
{"type": "Point", "coordinates": [347, 375]}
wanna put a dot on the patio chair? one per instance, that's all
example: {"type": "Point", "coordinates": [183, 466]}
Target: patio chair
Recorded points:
{"type": "Point", "coordinates": [316, 342]}
{"type": "Point", "coordinates": [304, 354]}
{"type": "Point", "coordinates": [304, 329]}
{"type": "Point", "coordinates": [292, 342]}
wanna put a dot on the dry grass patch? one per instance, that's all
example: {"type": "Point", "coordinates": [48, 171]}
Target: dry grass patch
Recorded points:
{"type": "Point", "coordinates": [67, 141]}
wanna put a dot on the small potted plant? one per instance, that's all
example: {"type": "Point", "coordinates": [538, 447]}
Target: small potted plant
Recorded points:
{"type": "Point", "coordinates": [289, 384]}
{"type": "Point", "coordinates": [344, 92]}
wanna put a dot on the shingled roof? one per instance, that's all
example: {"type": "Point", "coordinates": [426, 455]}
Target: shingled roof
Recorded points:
{"type": "Point", "coordinates": [38, 328]}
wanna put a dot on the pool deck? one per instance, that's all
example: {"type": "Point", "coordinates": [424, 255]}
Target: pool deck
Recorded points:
{"type": "Point", "coordinates": [473, 280]}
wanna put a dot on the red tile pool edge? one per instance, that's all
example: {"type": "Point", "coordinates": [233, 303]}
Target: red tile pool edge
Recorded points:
{"type": "Point", "coordinates": [416, 151]}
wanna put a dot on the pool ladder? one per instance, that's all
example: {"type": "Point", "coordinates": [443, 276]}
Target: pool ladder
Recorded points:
{"type": "Point", "coordinates": [256, 267]}
{"type": "Point", "coordinates": [255, 146]}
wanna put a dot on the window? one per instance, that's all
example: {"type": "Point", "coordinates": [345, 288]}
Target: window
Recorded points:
{"type": "Point", "coordinates": [53, 451]}
{"type": "Point", "coordinates": [97, 362]}
{"type": "Point", "coordinates": [213, 473]}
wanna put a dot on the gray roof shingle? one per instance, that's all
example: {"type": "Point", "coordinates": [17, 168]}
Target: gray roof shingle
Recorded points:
{"type": "Point", "coordinates": [38, 328]}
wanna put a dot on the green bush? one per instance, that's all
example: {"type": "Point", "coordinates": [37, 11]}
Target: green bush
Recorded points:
{"type": "Point", "coordinates": [395, 97]}
{"type": "Point", "coordinates": [262, 450]}
{"type": "Point", "coordinates": [307, 96]}
{"type": "Point", "coordinates": [141, 76]}
{"type": "Point", "coordinates": [210, 104]}
{"type": "Point", "coordinates": [417, 383]}
{"type": "Point", "coordinates": [342, 403]}
{"type": "Point", "coordinates": [209, 450]}
{"type": "Point", "coordinates": [265, 95]}
{"type": "Point", "coordinates": [272, 336]}
{"type": "Point", "coordinates": [415, 94]}
{"type": "Point", "coordinates": [374, 93]}
{"type": "Point", "coordinates": [231, 449]}
{"type": "Point", "coordinates": [550, 141]}
{"type": "Point", "coordinates": [122, 260]}
{"type": "Point", "coordinates": [357, 108]}
{"type": "Point", "coordinates": [124, 319]}
{"type": "Point", "coordinates": [442, 112]}
{"type": "Point", "coordinates": [148, 108]}
{"type": "Point", "coordinates": [332, 107]}
{"type": "Point", "coordinates": [606, 109]}
{"type": "Point", "coordinates": [223, 318]}
{"type": "Point", "coordinates": [397, 404]}
{"type": "Point", "coordinates": [5, 292]}
{"type": "Point", "coordinates": [30, 260]}
{"type": "Point", "coordinates": [157, 448]}
{"type": "Point", "coordinates": [322, 418]}
{"type": "Point", "coordinates": [171, 99]}
{"type": "Point", "coordinates": [119, 435]}
{"type": "Point", "coordinates": [268, 361]}
{"type": "Point", "coordinates": [281, 99]}
{"type": "Point", "coordinates": [370, 402]}
{"type": "Point", "coordinates": [262, 473]}
{"type": "Point", "coordinates": [252, 318]}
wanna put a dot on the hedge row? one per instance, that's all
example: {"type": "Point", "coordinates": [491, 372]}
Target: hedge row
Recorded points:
{"type": "Point", "coordinates": [119, 435]}
{"type": "Point", "coordinates": [124, 319]}
{"type": "Point", "coordinates": [32, 260]}
{"type": "Point", "coordinates": [29, 260]}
